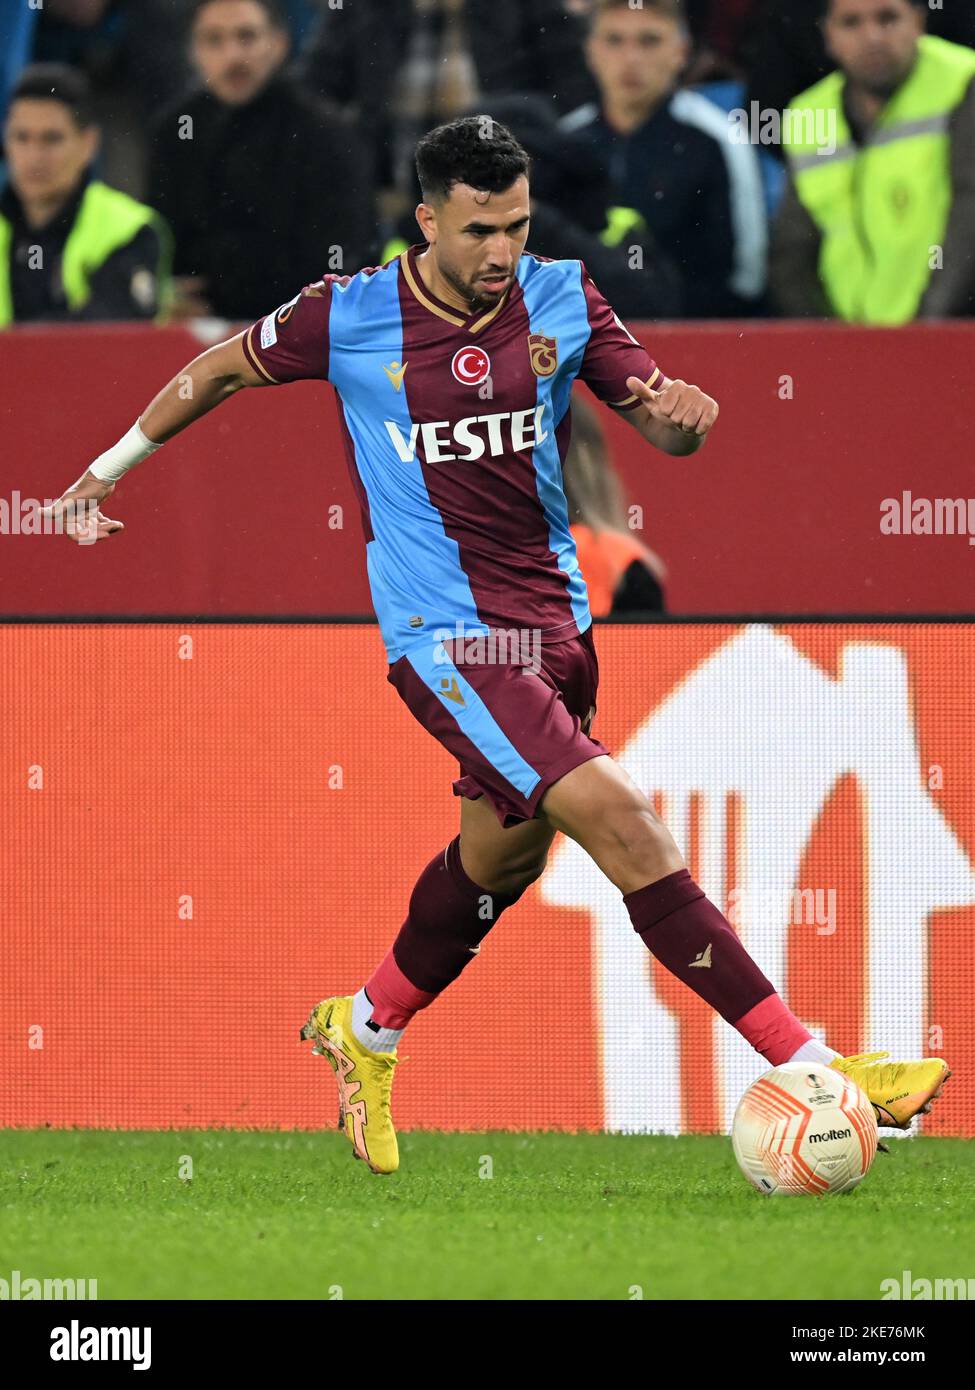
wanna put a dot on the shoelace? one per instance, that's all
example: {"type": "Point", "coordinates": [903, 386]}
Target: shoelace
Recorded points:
{"type": "Point", "coordinates": [866, 1057]}
{"type": "Point", "coordinates": [886, 1076]}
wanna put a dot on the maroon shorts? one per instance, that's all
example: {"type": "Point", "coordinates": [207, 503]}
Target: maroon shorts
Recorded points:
{"type": "Point", "coordinates": [514, 728]}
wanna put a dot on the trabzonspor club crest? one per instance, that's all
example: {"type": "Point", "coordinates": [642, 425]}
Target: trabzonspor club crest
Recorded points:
{"type": "Point", "coordinates": [543, 354]}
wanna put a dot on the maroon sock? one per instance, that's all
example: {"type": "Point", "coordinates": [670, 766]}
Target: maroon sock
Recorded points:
{"type": "Point", "coordinates": [449, 916]}
{"type": "Point", "coordinates": [695, 942]}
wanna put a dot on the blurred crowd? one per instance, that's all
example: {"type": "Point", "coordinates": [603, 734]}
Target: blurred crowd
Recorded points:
{"type": "Point", "coordinates": [177, 158]}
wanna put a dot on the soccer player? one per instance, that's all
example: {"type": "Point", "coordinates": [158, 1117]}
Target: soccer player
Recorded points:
{"type": "Point", "coordinates": [454, 365]}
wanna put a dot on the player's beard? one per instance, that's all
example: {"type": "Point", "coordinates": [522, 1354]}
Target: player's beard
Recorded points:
{"type": "Point", "coordinates": [467, 291]}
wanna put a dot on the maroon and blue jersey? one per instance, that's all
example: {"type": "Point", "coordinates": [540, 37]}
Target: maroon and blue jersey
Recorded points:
{"type": "Point", "coordinates": [456, 426]}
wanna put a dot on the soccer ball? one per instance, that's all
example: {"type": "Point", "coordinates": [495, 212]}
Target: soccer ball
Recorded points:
{"type": "Point", "coordinates": [804, 1128]}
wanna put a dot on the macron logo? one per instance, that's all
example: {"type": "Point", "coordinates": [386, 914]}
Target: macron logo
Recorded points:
{"type": "Point", "coordinates": [474, 436]}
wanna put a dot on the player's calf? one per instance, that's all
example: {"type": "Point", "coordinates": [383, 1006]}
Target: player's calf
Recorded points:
{"type": "Point", "coordinates": [607, 814]}
{"type": "Point", "coordinates": [449, 916]}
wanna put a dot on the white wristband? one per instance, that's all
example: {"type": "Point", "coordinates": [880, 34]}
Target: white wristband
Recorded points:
{"type": "Point", "coordinates": [131, 449]}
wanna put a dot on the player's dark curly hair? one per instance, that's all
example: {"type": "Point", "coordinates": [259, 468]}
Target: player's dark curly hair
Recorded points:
{"type": "Point", "coordinates": [475, 150]}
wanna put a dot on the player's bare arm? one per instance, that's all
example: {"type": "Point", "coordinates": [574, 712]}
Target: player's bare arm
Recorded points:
{"type": "Point", "coordinates": [677, 419]}
{"type": "Point", "coordinates": [204, 383]}
{"type": "Point", "coordinates": [208, 380]}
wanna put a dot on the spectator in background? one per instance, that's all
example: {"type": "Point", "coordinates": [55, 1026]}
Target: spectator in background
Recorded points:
{"type": "Point", "coordinates": [671, 157]}
{"type": "Point", "coordinates": [89, 35]}
{"type": "Point", "coordinates": [878, 226]}
{"type": "Point", "coordinates": [261, 184]}
{"type": "Point", "coordinates": [71, 247]}
{"type": "Point", "coordinates": [622, 574]}
{"type": "Point", "coordinates": [154, 48]}
{"type": "Point", "coordinates": [787, 51]}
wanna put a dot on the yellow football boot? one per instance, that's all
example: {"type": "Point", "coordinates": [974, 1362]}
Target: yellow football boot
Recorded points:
{"type": "Point", "coordinates": [897, 1090]}
{"type": "Point", "coordinates": [365, 1083]}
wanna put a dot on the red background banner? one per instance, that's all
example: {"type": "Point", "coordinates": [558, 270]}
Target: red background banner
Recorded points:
{"type": "Point", "coordinates": [779, 515]}
{"type": "Point", "coordinates": [209, 827]}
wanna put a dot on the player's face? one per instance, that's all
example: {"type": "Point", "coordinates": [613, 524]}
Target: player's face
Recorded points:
{"type": "Point", "coordinates": [874, 41]}
{"type": "Point", "coordinates": [46, 150]}
{"type": "Point", "coordinates": [237, 49]}
{"type": "Point", "coordinates": [476, 239]}
{"type": "Point", "coordinates": [636, 56]}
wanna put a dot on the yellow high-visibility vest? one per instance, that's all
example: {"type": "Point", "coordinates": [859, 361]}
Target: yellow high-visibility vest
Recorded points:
{"type": "Point", "coordinates": [107, 220]}
{"type": "Point", "coordinates": [882, 207]}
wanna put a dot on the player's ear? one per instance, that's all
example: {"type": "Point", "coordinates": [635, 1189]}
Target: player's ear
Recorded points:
{"type": "Point", "coordinates": [426, 217]}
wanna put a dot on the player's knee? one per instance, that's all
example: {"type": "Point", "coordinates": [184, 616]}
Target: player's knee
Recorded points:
{"type": "Point", "coordinates": [635, 828]}
{"type": "Point", "coordinates": [510, 882]}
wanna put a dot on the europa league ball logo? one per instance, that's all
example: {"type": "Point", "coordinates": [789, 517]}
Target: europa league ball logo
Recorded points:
{"type": "Point", "coordinates": [543, 353]}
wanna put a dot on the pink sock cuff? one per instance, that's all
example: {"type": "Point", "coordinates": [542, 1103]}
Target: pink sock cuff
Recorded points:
{"type": "Point", "coordinates": [773, 1030]}
{"type": "Point", "coordinates": [650, 905]}
{"type": "Point", "coordinates": [395, 999]}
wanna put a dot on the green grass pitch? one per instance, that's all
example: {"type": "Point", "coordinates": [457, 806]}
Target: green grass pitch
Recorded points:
{"type": "Point", "coordinates": [292, 1215]}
